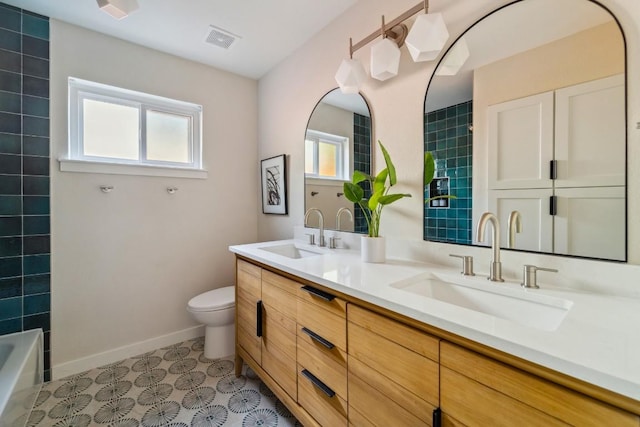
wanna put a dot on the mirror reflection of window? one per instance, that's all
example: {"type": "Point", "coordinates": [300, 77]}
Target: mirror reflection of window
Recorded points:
{"type": "Point", "coordinates": [326, 156]}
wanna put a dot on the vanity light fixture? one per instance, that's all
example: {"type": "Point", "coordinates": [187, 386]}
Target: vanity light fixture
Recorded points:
{"type": "Point", "coordinates": [425, 42]}
{"type": "Point", "coordinates": [118, 8]}
{"type": "Point", "coordinates": [455, 59]}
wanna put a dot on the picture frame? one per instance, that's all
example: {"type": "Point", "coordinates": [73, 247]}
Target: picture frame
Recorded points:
{"type": "Point", "coordinates": [274, 185]}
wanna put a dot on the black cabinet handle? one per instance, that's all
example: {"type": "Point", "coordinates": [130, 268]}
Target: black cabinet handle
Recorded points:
{"type": "Point", "coordinates": [259, 318]}
{"type": "Point", "coordinates": [437, 418]}
{"type": "Point", "coordinates": [316, 382]}
{"type": "Point", "coordinates": [318, 338]}
{"type": "Point", "coordinates": [318, 293]}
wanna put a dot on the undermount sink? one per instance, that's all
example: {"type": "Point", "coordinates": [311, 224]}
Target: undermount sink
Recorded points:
{"type": "Point", "coordinates": [525, 308]}
{"type": "Point", "coordinates": [290, 250]}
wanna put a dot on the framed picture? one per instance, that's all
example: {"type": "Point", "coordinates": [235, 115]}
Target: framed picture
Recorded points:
{"type": "Point", "coordinates": [274, 185]}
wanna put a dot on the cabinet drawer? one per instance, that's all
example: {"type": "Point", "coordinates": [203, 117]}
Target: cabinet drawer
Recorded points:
{"type": "Point", "coordinates": [495, 377]}
{"type": "Point", "coordinates": [397, 363]}
{"type": "Point", "coordinates": [329, 365]}
{"type": "Point", "coordinates": [327, 411]}
{"type": "Point", "coordinates": [406, 336]}
{"type": "Point", "coordinates": [377, 408]}
{"type": "Point", "coordinates": [324, 300]}
{"type": "Point", "coordinates": [324, 323]}
{"type": "Point", "coordinates": [281, 368]}
{"type": "Point", "coordinates": [248, 278]}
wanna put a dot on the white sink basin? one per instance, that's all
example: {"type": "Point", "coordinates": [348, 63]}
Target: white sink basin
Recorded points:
{"type": "Point", "coordinates": [290, 250]}
{"type": "Point", "coordinates": [499, 300]}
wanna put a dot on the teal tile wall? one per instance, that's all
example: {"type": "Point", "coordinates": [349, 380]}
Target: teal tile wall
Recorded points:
{"type": "Point", "coordinates": [25, 260]}
{"type": "Point", "coordinates": [361, 161]}
{"type": "Point", "coordinates": [448, 135]}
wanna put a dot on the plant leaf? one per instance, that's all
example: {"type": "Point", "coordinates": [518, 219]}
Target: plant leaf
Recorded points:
{"type": "Point", "coordinates": [390, 167]}
{"type": "Point", "coordinates": [374, 199]}
{"type": "Point", "coordinates": [353, 192]}
{"type": "Point", "coordinates": [429, 168]}
{"type": "Point", "coordinates": [390, 198]}
{"type": "Point", "coordinates": [381, 179]}
{"type": "Point", "coordinates": [359, 177]}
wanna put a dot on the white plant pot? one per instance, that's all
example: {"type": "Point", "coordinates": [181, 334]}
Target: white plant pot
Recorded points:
{"type": "Point", "coordinates": [373, 249]}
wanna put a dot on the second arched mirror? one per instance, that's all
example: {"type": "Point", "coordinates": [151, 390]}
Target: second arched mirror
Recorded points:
{"type": "Point", "coordinates": [337, 141]}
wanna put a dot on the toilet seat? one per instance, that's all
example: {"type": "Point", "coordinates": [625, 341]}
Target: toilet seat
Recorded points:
{"type": "Point", "coordinates": [217, 299]}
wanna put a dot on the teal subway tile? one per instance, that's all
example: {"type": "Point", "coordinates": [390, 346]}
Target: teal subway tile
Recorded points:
{"type": "Point", "coordinates": [10, 246]}
{"type": "Point", "coordinates": [10, 40]}
{"type": "Point", "coordinates": [10, 184]}
{"type": "Point", "coordinates": [10, 18]}
{"type": "Point", "coordinates": [10, 205]}
{"type": "Point", "coordinates": [35, 146]}
{"type": "Point", "coordinates": [10, 123]}
{"type": "Point", "coordinates": [35, 304]}
{"type": "Point", "coordinates": [36, 225]}
{"type": "Point", "coordinates": [35, 106]}
{"type": "Point", "coordinates": [36, 67]}
{"type": "Point", "coordinates": [10, 102]}
{"type": "Point", "coordinates": [37, 244]}
{"type": "Point", "coordinates": [10, 288]}
{"type": "Point", "coordinates": [10, 143]}
{"type": "Point", "coordinates": [10, 326]}
{"type": "Point", "coordinates": [35, 86]}
{"type": "Point", "coordinates": [35, 205]}
{"type": "Point", "coordinates": [35, 165]}
{"type": "Point", "coordinates": [35, 47]}
{"type": "Point", "coordinates": [37, 284]}
{"type": "Point", "coordinates": [10, 61]}
{"type": "Point", "coordinates": [11, 226]}
{"type": "Point", "coordinates": [10, 267]}
{"type": "Point", "coordinates": [35, 185]}
{"type": "Point", "coordinates": [35, 26]}
{"type": "Point", "coordinates": [42, 320]}
{"type": "Point", "coordinates": [10, 163]}
{"type": "Point", "coordinates": [36, 126]}
{"type": "Point", "coordinates": [37, 264]}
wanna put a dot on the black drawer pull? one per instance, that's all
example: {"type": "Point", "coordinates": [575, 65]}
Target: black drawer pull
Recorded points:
{"type": "Point", "coordinates": [318, 338]}
{"type": "Point", "coordinates": [318, 293]}
{"type": "Point", "coordinates": [259, 318]}
{"type": "Point", "coordinates": [316, 382]}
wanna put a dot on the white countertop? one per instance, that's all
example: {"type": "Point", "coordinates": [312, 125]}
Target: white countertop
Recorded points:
{"type": "Point", "coordinates": [598, 341]}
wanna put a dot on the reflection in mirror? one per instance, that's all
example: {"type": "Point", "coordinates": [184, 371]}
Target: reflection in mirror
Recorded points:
{"type": "Point", "coordinates": [337, 142]}
{"type": "Point", "coordinates": [534, 122]}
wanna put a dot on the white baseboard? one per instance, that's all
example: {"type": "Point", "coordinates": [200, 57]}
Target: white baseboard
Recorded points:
{"type": "Point", "coordinates": [72, 367]}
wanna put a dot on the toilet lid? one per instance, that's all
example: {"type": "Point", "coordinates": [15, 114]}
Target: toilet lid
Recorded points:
{"type": "Point", "coordinates": [217, 299]}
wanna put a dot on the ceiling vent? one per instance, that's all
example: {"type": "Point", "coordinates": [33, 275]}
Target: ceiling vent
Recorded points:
{"type": "Point", "coordinates": [221, 38]}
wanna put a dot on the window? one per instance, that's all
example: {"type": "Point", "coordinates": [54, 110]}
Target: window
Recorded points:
{"type": "Point", "coordinates": [119, 126]}
{"type": "Point", "coordinates": [326, 156]}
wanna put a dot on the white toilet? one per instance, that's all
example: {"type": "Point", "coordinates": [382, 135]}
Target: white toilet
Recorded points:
{"type": "Point", "coordinates": [216, 309]}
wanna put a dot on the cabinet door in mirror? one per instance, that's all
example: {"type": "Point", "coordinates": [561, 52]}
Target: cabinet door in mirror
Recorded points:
{"type": "Point", "coordinates": [534, 121]}
{"type": "Point", "coordinates": [337, 142]}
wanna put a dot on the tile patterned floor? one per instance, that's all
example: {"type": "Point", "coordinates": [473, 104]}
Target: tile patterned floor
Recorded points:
{"type": "Point", "coordinates": [173, 386]}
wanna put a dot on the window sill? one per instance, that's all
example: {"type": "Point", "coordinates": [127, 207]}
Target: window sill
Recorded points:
{"type": "Point", "coordinates": [84, 166]}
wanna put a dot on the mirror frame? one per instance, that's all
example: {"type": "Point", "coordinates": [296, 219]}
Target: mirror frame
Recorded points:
{"type": "Point", "coordinates": [626, 133]}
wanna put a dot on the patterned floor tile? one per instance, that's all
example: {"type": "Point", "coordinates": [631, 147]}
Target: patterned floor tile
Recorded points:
{"type": "Point", "coordinates": [172, 386]}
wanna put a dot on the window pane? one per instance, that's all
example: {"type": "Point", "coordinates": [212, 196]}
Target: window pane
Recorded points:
{"type": "Point", "coordinates": [327, 158]}
{"type": "Point", "coordinates": [110, 130]}
{"type": "Point", "coordinates": [309, 150]}
{"type": "Point", "coordinates": [168, 137]}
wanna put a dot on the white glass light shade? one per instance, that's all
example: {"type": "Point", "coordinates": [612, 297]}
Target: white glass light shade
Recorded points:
{"type": "Point", "coordinates": [427, 37]}
{"type": "Point", "coordinates": [385, 59]}
{"type": "Point", "coordinates": [350, 76]}
{"type": "Point", "coordinates": [454, 60]}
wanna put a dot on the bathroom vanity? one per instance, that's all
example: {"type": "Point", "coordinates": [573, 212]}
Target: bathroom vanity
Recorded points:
{"type": "Point", "coordinates": [342, 342]}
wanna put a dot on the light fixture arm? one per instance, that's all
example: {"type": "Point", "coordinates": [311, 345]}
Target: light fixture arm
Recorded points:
{"type": "Point", "coordinates": [423, 5]}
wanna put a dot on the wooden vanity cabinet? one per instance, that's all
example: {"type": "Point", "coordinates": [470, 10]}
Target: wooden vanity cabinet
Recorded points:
{"type": "Point", "coordinates": [476, 390]}
{"type": "Point", "coordinates": [393, 371]}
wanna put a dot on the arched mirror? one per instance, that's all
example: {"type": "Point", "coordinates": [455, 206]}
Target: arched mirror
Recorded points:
{"type": "Point", "coordinates": [532, 127]}
{"type": "Point", "coordinates": [337, 142]}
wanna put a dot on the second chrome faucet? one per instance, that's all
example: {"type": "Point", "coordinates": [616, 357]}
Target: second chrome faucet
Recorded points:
{"type": "Point", "coordinates": [495, 271]}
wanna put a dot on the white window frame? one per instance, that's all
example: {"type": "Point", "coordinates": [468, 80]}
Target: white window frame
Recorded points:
{"type": "Point", "coordinates": [76, 161]}
{"type": "Point", "coordinates": [342, 161]}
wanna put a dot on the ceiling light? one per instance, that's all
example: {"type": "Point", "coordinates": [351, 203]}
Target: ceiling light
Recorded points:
{"type": "Point", "coordinates": [427, 37]}
{"type": "Point", "coordinates": [454, 60]}
{"type": "Point", "coordinates": [118, 8]}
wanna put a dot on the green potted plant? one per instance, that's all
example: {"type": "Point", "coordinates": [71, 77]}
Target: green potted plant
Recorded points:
{"type": "Point", "coordinates": [372, 245]}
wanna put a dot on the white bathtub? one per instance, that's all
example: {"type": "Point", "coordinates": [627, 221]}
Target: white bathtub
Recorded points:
{"type": "Point", "coordinates": [21, 375]}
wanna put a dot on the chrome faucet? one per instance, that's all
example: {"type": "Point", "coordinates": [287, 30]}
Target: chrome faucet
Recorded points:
{"type": "Point", "coordinates": [515, 226]}
{"type": "Point", "coordinates": [320, 223]}
{"type": "Point", "coordinates": [339, 214]}
{"type": "Point", "coordinates": [495, 272]}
